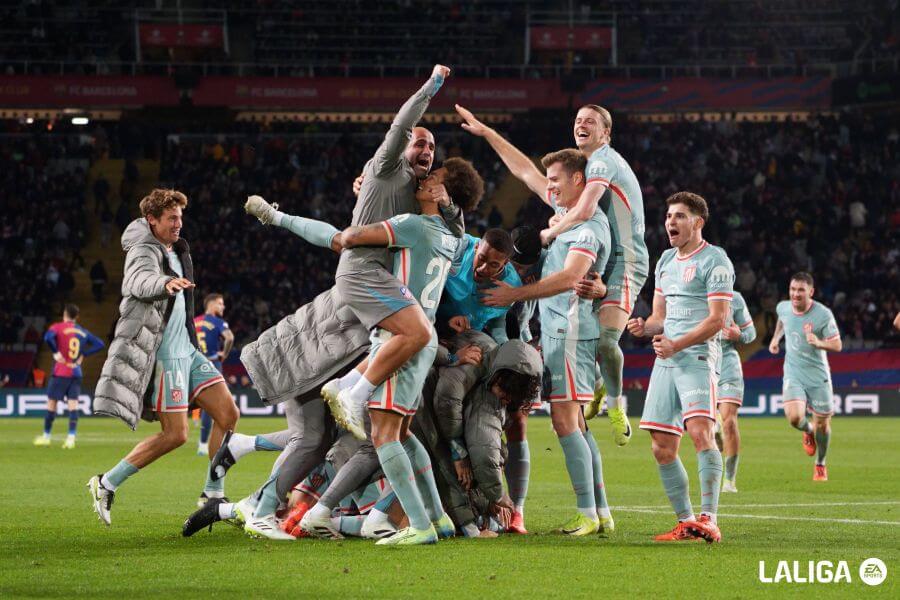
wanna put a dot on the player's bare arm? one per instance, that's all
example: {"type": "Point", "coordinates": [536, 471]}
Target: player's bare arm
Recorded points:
{"type": "Point", "coordinates": [707, 328]}
{"type": "Point", "coordinates": [518, 164]}
{"type": "Point", "coordinates": [638, 327]}
{"type": "Point", "coordinates": [776, 337]}
{"type": "Point", "coordinates": [581, 212]}
{"type": "Point", "coordinates": [575, 268]}
{"type": "Point", "coordinates": [833, 345]}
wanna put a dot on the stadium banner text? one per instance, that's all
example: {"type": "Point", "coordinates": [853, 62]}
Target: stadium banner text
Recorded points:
{"type": "Point", "coordinates": [32, 402]}
{"type": "Point", "coordinates": [75, 91]}
{"type": "Point", "coordinates": [562, 37]}
{"type": "Point", "coordinates": [170, 35]}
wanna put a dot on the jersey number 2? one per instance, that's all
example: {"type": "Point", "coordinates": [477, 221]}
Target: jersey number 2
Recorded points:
{"type": "Point", "coordinates": [441, 267]}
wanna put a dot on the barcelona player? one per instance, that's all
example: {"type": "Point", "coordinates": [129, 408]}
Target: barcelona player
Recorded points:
{"type": "Point", "coordinates": [215, 340]}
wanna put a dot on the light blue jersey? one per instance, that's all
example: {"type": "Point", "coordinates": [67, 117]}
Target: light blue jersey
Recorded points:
{"type": "Point", "coordinates": [525, 310]}
{"type": "Point", "coordinates": [740, 316]}
{"type": "Point", "coordinates": [462, 294]}
{"type": "Point", "coordinates": [804, 364]}
{"type": "Point", "coordinates": [566, 315]}
{"type": "Point", "coordinates": [623, 205]}
{"type": "Point", "coordinates": [426, 249]}
{"type": "Point", "coordinates": [688, 284]}
{"type": "Point", "coordinates": [175, 341]}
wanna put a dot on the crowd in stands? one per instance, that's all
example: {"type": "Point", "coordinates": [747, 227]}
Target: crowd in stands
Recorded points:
{"type": "Point", "coordinates": [42, 229]}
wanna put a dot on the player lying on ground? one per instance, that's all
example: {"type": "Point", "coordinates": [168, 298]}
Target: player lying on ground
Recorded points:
{"type": "Point", "coordinates": [70, 344]}
{"type": "Point", "coordinates": [611, 184]}
{"type": "Point", "coordinates": [690, 307]}
{"type": "Point", "coordinates": [810, 331]}
{"type": "Point", "coordinates": [154, 355]}
{"type": "Point", "coordinates": [569, 337]}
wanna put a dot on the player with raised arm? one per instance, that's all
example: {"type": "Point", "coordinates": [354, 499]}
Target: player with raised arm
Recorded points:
{"type": "Point", "coordinates": [212, 331]}
{"type": "Point", "coordinates": [154, 354]}
{"type": "Point", "coordinates": [569, 337]}
{"type": "Point", "coordinates": [738, 329]}
{"type": "Point", "coordinates": [611, 184]}
{"type": "Point", "coordinates": [70, 343]}
{"type": "Point", "coordinates": [691, 304]}
{"type": "Point", "coordinates": [810, 331]}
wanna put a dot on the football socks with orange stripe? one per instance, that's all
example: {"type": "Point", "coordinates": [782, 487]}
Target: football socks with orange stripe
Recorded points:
{"type": "Point", "coordinates": [597, 468]}
{"type": "Point", "coordinates": [518, 470]}
{"type": "Point", "coordinates": [822, 439]}
{"type": "Point", "coordinates": [675, 482]}
{"type": "Point", "coordinates": [611, 360]}
{"type": "Point", "coordinates": [709, 465]}
{"type": "Point", "coordinates": [579, 464]}
{"type": "Point", "coordinates": [421, 464]}
{"type": "Point", "coordinates": [116, 476]}
{"type": "Point", "coordinates": [399, 472]}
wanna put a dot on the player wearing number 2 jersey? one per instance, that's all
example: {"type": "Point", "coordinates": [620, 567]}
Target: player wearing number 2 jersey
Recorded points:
{"type": "Point", "coordinates": [70, 343]}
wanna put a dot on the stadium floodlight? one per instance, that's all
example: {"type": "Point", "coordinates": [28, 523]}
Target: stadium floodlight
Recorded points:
{"type": "Point", "coordinates": [80, 120]}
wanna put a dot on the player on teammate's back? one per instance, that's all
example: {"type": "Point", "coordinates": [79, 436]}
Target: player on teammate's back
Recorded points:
{"type": "Point", "coordinates": [70, 343]}
{"type": "Point", "coordinates": [691, 303]}
{"type": "Point", "coordinates": [810, 331]}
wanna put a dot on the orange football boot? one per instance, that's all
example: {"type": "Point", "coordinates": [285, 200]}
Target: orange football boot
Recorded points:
{"type": "Point", "coordinates": [820, 474]}
{"type": "Point", "coordinates": [809, 443]}
{"type": "Point", "coordinates": [679, 534]}
{"type": "Point", "coordinates": [704, 528]}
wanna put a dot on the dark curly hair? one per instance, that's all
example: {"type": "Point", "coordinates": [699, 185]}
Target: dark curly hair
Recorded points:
{"type": "Point", "coordinates": [463, 183]}
{"type": "Point", "coordinates": [522, 389]}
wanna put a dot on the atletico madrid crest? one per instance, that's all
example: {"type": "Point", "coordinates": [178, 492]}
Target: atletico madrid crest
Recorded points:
{"type": "Point", "coordinates": [689, 272]}
{"type": "Point", "coordinates": [807, 327]}
{"type": "Point", "coordinates": [176, 396]}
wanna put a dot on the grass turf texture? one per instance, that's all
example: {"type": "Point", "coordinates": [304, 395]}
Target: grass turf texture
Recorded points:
{"type": "Point", "coordinates": [52, 545]}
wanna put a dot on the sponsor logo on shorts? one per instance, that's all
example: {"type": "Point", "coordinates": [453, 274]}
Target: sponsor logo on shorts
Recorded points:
{"type": "Point", "coordinates": [695, 392]}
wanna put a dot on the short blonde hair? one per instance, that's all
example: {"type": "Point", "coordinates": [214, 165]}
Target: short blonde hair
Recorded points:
{"type": "Point", "coordinates": [605, 117]}
{"type": "Point", "coordinates": [160, 200]}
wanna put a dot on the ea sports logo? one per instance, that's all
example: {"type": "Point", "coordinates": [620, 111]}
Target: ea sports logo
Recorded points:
{"type": "Point", "coordinates": [873, 571]}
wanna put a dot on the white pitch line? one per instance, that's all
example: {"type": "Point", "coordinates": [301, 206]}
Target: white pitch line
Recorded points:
{"type": "Point", "coordinates": [880, 503]}
{"type": "Point", "coordinates": [771, 517]}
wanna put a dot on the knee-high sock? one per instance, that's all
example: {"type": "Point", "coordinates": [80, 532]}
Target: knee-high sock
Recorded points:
{"type": "Point", "coordinates": [578, 464]}
{"type": "Point", "coordinates": [351, 525]}
{"type": "Point", "coordinates": [205, 426]}
{"type": "Point", "coordinates": [48, 421]}
{"type": "Point", "coordinates": [268, 497]}
{"type": "Point", "coordinates": [213, 489]}
{"type": "Point", "coordinates": [675, 482]}
{"type": "Point", "coordinates": [421, 464]}
{"type": "Point", "coordinates": [73, 422]}
{"type": "Point", "coordinates": [272, 442]}
{"type": "Point", "coordinates": [517, 471]}
{"type": "Point", "coordinates": [399, 472]}
{"type": "Point", "coordinates": [822, 439]}
{"type": "Point", "coordinates": [709, 464]}
{"type": "Point", "coordinates": [314, 232]}
{"type": "Point", "coordinates": [611, 361]}
{"type": "Point", "coordinates": [597, 467]}
{"type": "Point", "coordinates": [731, 465]}
{"type": "Point", "coordinates": [116, 476]}
{"type": "Point", "coordinates": [804, 425]}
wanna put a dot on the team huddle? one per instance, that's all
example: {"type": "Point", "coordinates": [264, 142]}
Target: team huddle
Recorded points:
{"type": "Point", "coordinates": [406, 399]}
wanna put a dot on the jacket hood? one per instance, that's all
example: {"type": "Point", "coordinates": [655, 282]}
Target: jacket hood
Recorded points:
{"type": "Point", "coordinates": [519, 357]}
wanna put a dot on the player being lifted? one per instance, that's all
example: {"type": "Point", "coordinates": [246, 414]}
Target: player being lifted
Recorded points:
{"type": "Point", "coordinates": [425, 248]}
{"type": "Point", "coordinates": [611, 184]}
{"type": "Point", "coordinates": [739, 329]}
{"type": "Point", "coordinates": [810, 331]}
{"type": "Point", "coordinates": [569, 337]}
{"type": "Point", "coordinates": [212, 332]}
{"type": "Point", "coordinates": [70, 343]}
{"type": "Point", "coordinates": [691, 304]}
{"type": "Point", "coordinates": [154, 355]}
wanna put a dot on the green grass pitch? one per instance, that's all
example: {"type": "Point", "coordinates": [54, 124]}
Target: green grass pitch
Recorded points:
{"type": "Point", "coordinates": [52, 545]}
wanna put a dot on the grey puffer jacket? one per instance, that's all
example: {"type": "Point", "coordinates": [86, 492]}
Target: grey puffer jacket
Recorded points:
{"type": "Point", "coordinates": [293, 358]}
{"type": "Point", "coordinates": [143, 313]}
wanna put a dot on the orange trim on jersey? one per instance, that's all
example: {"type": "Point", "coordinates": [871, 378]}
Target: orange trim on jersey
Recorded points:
{"type": "Point", "coordinates": [404, 266]}
{"type": "Point", "coordinates": [621, 195]}
{"type": "Point", "coordinates": [600, 179]}
{"type": "Point", "coordinates": [699, 249]}
{"type": "Point", "coordinates": [392, 237]}
{"type": "Point", "coordinates": [719, 296]}
{"type": "Point", "coordinates": [573, 391]}
{"type": "Point", "coordinates": [660, 426]}
{"type": "Point", "coordinates": [586, 252]}
{"type": "Point", "coordinates": [747, 324]}
{"type": "Point", "coordinates": [834, 337]}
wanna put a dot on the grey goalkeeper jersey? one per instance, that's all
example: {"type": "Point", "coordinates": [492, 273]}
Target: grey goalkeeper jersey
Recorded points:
{"type": "Point", "coordinates": [389, 186]}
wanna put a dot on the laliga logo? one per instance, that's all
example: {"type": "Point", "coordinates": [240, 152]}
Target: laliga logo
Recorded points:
{"type": "Point", "coordinates": [872, 571]}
